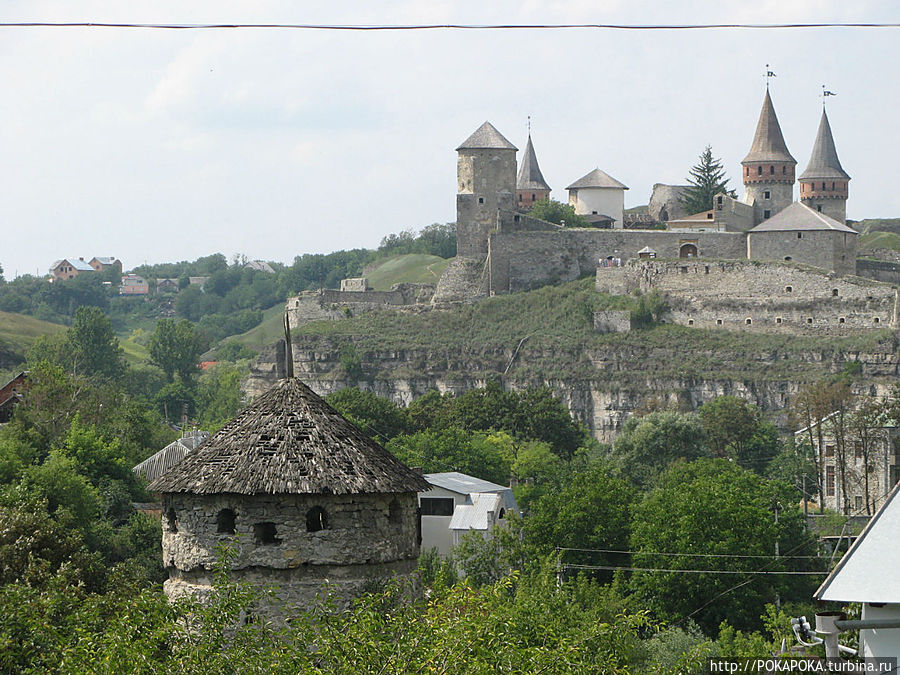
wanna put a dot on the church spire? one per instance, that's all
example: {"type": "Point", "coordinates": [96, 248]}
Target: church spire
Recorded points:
{"type": "Point", "coordinates": [768, 142]}
{"type": "Point", "coordinates": [530, 183]}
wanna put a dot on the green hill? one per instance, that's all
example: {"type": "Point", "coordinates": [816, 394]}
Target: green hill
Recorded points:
{"type": "Point", "coordinates": [18, 331]}
{"type": "Point", "coordinates": [873, 225]}
{"type": "Point", "coordinates": [875, 239]}
{"type": "Point", "coordinates": [268, 331]}
{"type": "Point", "coordinates": [413, 268]}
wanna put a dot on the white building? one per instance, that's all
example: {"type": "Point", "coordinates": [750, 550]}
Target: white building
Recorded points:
{"type": "Point", "coordinates": [869, 574]}
{"type": "Point", "coordinates": [458, 504]}
{"type": "Point", "coordinates": [598, 194]}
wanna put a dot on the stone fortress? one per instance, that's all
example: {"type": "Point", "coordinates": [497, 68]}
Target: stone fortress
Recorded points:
{"type": "Point", "coordinates": [761, 263]}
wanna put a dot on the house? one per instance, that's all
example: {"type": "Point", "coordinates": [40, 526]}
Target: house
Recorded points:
{"type": "Point", "coordinates": [302, 496]}
{"type": "Point", "coordinates": [132, 284]}
{"type": "Point", "coordinates": [458, 504]}
{"type": "Point", "coordinates": [167, 285]}
{"type": "Point", "coordinates": [869, 574]}
{"type": "Point", "coordinates": [103, 263]}
{"type": "Point", "coordinates": [859, 470]}
{"type": "Point", "coordinates": [11, 395]}
{"type": "Point", "coordinates": [598, 193]}
{"type": "Point", "coordinates": [69, 268]}
{"type": "Point", "coordinates": [159, 463]}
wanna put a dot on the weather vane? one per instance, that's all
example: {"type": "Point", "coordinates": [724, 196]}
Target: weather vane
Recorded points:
{"type": "Point", "coordinates": [528, 124]}
{"type": "Point", "coordinates": [825, 94]}
{"type": "Point", "coordinates": [769, 74]}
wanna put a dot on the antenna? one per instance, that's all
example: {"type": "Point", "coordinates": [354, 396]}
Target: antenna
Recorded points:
{"type": "Point", "coordinates": [288, 348]}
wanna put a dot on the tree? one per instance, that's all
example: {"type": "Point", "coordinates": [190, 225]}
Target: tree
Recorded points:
{"type": "Point", "coordinates": [735, 430]}
{"type": "Point", "coordinates": [93, 346]}
{"type": "Point", "coordinates": [556, 212]}
{"type": "Point", "coordinates": [375, 416]}
{"type": "Point", "coordinates": [175, 347]}
{"type": "Point", "coordinates": [711, 507]}
{"type": "Point", "coordinates": [648, 445]}
{"type": "Point", "coordinates": [452, 449]}
{"type": "Point", "coordinates": [706, 180]}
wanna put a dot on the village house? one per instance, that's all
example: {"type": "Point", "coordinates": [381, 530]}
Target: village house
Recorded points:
{"type": "Point", "coordinates": [458, 504]}
{"type": "Point", "coordinates": [11, 395]}
{"type": "Point", "coordinates": [69, 268]}
{"type": "Point", "coordinates": [103, 263]}
{"type": "Point", "coordinates": [133, 284]}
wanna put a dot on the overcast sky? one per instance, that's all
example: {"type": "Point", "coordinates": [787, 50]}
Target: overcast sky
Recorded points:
{"type": "Point", "coordinates": [157, 146]}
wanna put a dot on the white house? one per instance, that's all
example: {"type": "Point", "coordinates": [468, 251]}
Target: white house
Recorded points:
{"type": "Point", "coordinates": [598, 194]}
{"type": "Point", "coordinates": [869, 574]}
{"type": "Point", "coordinates": [457, 504]}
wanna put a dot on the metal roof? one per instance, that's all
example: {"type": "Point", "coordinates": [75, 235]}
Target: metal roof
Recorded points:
{"type": "Point", "coordinates": [157, 464]}
{"type": "Point", "coordinates": [869, 572]}
{"type": "Point", "coordinates": [530, 176]}
{"type": "Point", "coordinates": [798, 216]}
{"type": "Point", "coordinates": [78, 264]}
{"type": "Point", "coordinates": [486, 137]}
{"type": "Point", "coordinates": [597, 179]}
{"type": "Point", "coordinates": [824, 162]}
{"type": "Point", "coordinates": [768, 141]}
{"type": "Point", "coordinates": [474, 516]}
{"type": "Point", "coordinates": [462, 483]}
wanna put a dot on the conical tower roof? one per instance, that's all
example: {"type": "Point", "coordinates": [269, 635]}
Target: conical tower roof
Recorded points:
{"type": "Point", "coordinates": [824, 162]}
{"type": "Point", "coordinates": [768, 143]}
{"type": "Point", "coordinates": [486, 137]}
{"type": "Point", "coordinates": [530, 176]}
{"type": "Point", "coordinates": [289, 441]}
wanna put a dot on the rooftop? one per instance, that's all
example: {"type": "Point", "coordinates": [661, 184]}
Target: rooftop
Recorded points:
{"type": "Point", "coordinates": [799, 216]}
{"type": "Point", "coordinates": [768, 142]}
{"type": "Point", "coordinates": [486, 137]}
{"type": "Point", "coordinates": [824, 162]}
{"type": "Point", "coordinates": [597, 179]}
{"type": "Point", "coordinates": [530, 176]}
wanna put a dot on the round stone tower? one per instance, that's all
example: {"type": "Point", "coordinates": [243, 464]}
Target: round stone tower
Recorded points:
{"type": "Point", "coordinates": [300, 494]}
{"type": "Point", "coordinates": [768, 169]}
{"type": "Point", "coordinates": [824, 186]}
{"type": "Point", "coordinates": [486, 185]}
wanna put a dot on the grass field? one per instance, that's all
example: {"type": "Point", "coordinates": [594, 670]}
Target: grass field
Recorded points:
{"type": "Point", "coordinates": [268, 331]}
{"type": "Point", "coordinates": [413, 268]}
{"type": "Point", "coordinates": [888, 240]}
{"type": "Point", "coordinates": [19, 330]}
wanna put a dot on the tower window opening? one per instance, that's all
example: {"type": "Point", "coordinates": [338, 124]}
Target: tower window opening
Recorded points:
{"type": "Point", "coordinates": [316, 519]}
{"type": "Point", "coordinates": [788, 289]}
{"type": "Point", "coordinates": [809, 320]}
{"type": "Point", "coordinates": [841, 320]}
{"type": "Point", "coordinates": [877, 320]}
{"type": "Point", "coordinates": [759, 171]}
{"type": "Point", "coordinates": [767, 195]}
{"type": "Point", "coordinates": [834, 292]}
{"type": "Point", "coordinates": [767, 214]}
{"type": "Point", "coordinates": [771, 170]}
{"type": "Point", "coordinates": [783, 170]}
{"type": "Point", "coordinates": [171, 521]}
{"type": "Point", "coordinates": [225, 522]}
{"type": "Point", "coordinates": [266, 534]}
{"type": "Point", "coordinates": [748, 321]}
{"type": "Point", "coordinates": [481, 200]}
{"type": "Point", "coordinates": [778, 319]}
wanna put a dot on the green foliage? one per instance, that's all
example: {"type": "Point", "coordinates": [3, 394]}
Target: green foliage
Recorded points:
{"type": "Point", "coordinates": [706, 180]}
{"type": "Point", "coordinates": [219, 395]}
{"type": "Point", "coordinates": [376, 417]}
{"type": "Point", "coordinates": [435, 239]}
{"type": "Point", "coordinates": [735, 429]}
{"type": "Point", "coordinates": [234, 351]}
{"type": "Point", "coordinates": [452, 449]}
{"type": "Point", "coordinates": [351, 363]}
{"type": "Point", "coordinates": [556, 212]}
{"type": "Point", "coordinates": [648, 445]}
{"type": "Point", "coordinates": [712, 506]}
{"type": "Point", "coordinates": [93, 346]}
{"type": "Point", "coordinates": [176, 348]}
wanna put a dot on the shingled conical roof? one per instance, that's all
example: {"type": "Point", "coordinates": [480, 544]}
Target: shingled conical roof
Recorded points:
{"type": "Point", "coordinates": [289, 441]}
{"type": "Point", "coordinates": [486, 137]}
{"type": "Point", "coordinates": [824, 162]}
{"type": "Point", "coordinates": [530, 176]}
{"type": "Point", "coordinates": [768, 143]}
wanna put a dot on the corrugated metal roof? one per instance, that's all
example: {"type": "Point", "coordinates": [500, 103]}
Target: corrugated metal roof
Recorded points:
{"type": "Point", "coordinates": [79, 265]}
{"type": "Point", "coordinates": [477, 516]}
{"type": "Point", "coordinates": [461, 483]}
{"type": "Point", "coordinates": [156, 465]}
{"type": "Point", "coordinates": [869, 572]}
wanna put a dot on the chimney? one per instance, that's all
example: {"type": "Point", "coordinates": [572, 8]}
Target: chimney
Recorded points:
{"type": "Point", "coordinates": [81, 259]}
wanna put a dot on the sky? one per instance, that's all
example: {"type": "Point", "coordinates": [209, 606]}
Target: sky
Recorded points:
{"type": "Point", "coordinates": [162, 145]}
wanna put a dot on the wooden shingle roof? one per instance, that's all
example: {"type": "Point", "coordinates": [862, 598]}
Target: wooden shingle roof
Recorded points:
{"type": "Point", "coordinates": [289, 441]}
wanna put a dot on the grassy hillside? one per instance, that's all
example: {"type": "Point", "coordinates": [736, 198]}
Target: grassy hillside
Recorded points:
{"type": "Point", "coordinates": [412, 268]}
{"type": "Point", "coordinates": [18, 331]}
{"type": "Point", "coordinates": [868, 225]}
{"type": "Point", "coordinates": [267, 332]}
{"type": "Point", "coordinates": [889, 240]}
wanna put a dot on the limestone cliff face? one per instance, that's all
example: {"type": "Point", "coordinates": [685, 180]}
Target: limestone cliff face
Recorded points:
{"type": "Point", "coordinates": [610, 385]}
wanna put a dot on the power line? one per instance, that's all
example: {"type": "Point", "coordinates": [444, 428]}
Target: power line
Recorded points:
{"type": "Point", "coordinates": [690, 555]}
{"type": "Point", "coordinates": [680, 571]}
{"type": "Point", "coordinates": [441, 26]}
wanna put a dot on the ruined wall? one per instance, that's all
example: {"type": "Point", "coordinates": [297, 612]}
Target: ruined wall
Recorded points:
{"type": "Point", "coordinates": [758, 297]}
{"type": "Point", "coordinates": [522, 261]}
{"type": "Point", "coordinates": [665, 201]}
{"type": "Point", "coordinates": [366, 536]}
{"type": "Point", "coordinates": [881, 270]}
{"type": "Point", "coordinates": [612, 321]}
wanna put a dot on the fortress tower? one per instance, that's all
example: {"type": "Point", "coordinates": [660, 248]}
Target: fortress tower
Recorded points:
{"type": "Point", "coordinates": [824, 184]}
{"type": "Point", "coordinates": [486, 185]}
{"type": "Point", "coordinates": [530, 184]}
{"type": "Point", "coordinates": [768, 167]}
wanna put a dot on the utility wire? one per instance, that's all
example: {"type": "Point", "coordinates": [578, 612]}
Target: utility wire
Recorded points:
{"type": "Point", "coordinates": [681, 571]}
{"type": "Point", "coordinates": [442, 26]}
{"type": "Point", "coordinates": [690, 555]}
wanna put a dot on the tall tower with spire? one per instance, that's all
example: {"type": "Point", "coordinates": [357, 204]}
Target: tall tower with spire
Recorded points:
{"type": "Point", "coordinates": [530, 184]}
{"type": "Point", "coordinates": [769, 167]}
{"type": "Point", "coordinates": [824, 185]}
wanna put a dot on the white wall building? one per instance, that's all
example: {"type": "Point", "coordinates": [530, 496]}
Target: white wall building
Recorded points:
{"type": "Point", "coordinates": [457, 504]}
{"type": "Point", "coordinates": [598, 193]}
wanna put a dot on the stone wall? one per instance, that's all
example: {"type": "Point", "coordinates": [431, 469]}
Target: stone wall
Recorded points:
{"type": "Point", "coordinates": [612, 321]}
{"type": "Point", "coordinates": [665, 202]}
{"type": "Point", "coordinates": [365, 536]}
{"type": "Point", "coordinates": [881, 270]}
{"type": "Point", "coordinates": [486, 185]}
{"type": "Point", "coordinates": [355, 284]}
{"type": "Point", "coordinates": [759, 297]}
{"type": "Point", "coordinates": [526, 260]}
{"type": "Point", "coordinates": [828, 249]}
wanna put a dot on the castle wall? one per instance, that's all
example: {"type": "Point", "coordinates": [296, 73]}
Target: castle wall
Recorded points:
{"type": "Point", "coordinates": [523, 260]}
{"type": "Point", "coordinates": [828, 249]}
{"type": "Point", "coordinates": [881, 270]}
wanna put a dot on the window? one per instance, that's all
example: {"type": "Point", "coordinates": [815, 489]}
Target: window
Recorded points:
{"type": "Point", "coordinates": [809, 319]}
{"type": "Point", "coordinates": [759, 171]}
{"type": "Point", "coordinates": [225, 522]}
{"type": "Point", "coordinates": [829, 481]}
{"type": "Point", "coordinates": [771, 170]}
{"type": "Point", "coordinates": [171, 521]}
{"type": "Point", "coordinates": [788, 289]}
{"type": "Point", "coordinates": [316, 519]}
{"type": "Point", "coordinates": [709, 216]}
{"type": "Point", "coordinates": [819, 208]}
{"type": "Point", "coordinates": [690, 322]}
{"type": "Point", "coordinates": [799, 235]}
{"type": "Point", "coordinates": [841, 320]}
{"type": "Point", "coordinates": [520, 196]}
{"type": "Point", "coordinates": [767, 195]}
{"type": "Point", "coordinates": [718, 322]}
{"type": "Point", "coordinates": [502, 514]}
{"type": "Point", "coordinates": [481, 200]}
{"type": "Point", "coordinates": [823, 185]}
{"type": "Point", "coordinates": [832, 185]}
{"type": "Point", "coordinates": [778, 319]}
{"type": "Point", "coordinates": [265, 534]}
{"type": "Point", "coordinates": [829, 451]}
{"type": "Point", "coordinates": [719, 200]}
{"type": "Point", "coordinates": [788, 258]}
{"type": "Point", "coordinates": [436, 506]}
{"type": "Point", "coordinates": [877, 320]}
{"type": "Point", "coordinates": [858, 503]}
{"type": "Point", "coordinates": [783, 170]}
{"type": "Point", "coordinates": [533, 197]}
{"type": "Point", "coordinates": [767, 214]}
{"type": "Point", "coordinates": [748, 321]}
{"type": "Point", "coordinates": [834, 292]}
